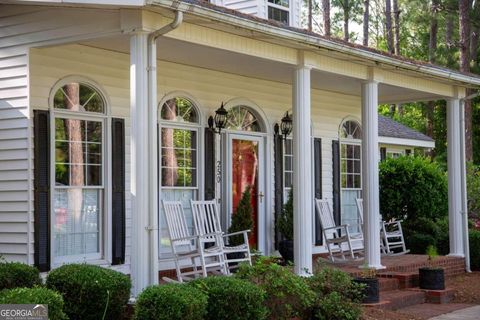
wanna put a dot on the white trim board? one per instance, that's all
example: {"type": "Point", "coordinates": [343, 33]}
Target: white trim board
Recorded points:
{"type": "Point", "coordinates": [406, 142]}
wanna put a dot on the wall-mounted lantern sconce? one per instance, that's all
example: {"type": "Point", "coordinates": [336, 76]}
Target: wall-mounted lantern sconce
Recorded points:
{"type": "Point", "coordinates": [218, 123]}
{"type": "Point", "coordinates": [285, 127]}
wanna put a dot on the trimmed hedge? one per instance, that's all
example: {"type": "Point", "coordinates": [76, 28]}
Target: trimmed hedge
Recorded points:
{"type": "Point", "coordinates": [90, 292]}
{"type": "Point", "coordinates": [232, 299]}
{"type": "Point", "coordinates": [37, 295]}
{"type": "Point", "coordinates": [171, 301]}
{"type": "Point", "coordinates": [16, 275]}
{"type": "Point", "coordinates": [288, 295]}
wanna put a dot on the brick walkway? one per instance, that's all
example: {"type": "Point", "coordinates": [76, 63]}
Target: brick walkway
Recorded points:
{"type": "Point", "coordinates": [429, 310]}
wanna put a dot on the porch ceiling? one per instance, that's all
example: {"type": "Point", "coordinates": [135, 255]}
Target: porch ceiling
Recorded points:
{"type": "Point", "coordinates": [182, 52]}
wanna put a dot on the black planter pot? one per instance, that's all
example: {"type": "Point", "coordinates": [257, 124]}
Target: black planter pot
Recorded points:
{"type": "Point", "coordinates": [285, 247]}
{"type": "Point", "coordinates": [431, 279]}
{"type": "Point", "coordinates": [371, 290]}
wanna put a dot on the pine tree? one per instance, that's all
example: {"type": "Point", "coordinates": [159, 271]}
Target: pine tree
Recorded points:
{"type": "Point", "coordinates": [242, 219]}
{"type": "Point", "coordinates": [285, 220]}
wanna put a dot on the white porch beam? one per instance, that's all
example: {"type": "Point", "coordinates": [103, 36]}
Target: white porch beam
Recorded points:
{"type": "Point", "coordinates": [371, 200]}
{"type": "Point", "coordinates": [454, 163]}
{"type": "Point", "coordinates": [140, 177]}
{"type": "Point", "coordinates": [302, 172]}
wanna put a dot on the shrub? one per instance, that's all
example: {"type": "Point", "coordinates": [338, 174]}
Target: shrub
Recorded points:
{"type": "Point", "coordinates": [171, 301]}
{"type": "Point", "coordinates": [36, 295]}
{"type": "Point", "coordinates": [242, 219]}
{"type": "Point", "coordinates": [473, 190]}
{"type": "Point", "coordinates": [90, 292]}
{"type": "Point", "coordinates": [285, 220]}
{"type": "Point", "coordinates": [16, 274]}
{"type": "Point", "coordinates": [474, 236]}
{"type": "Point", "coordinates": [288, 295]}
{"type": "Point", "coordinates": [231, 298]}
{"type": "Point", "coordinates": [414, 189]}
{"type": "Point", "coordinates": [337, 295]}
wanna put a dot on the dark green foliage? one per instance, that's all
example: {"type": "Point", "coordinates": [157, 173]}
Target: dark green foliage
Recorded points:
{"type": "Point", "coordinates": [171, 301]}
{"type": "Point", "coordinates": [414, 189]}
{"type": "Point", "coordinates": [473, 190]}
{"type": "Point", "coordinates": [232, 298]}
{"type": "Point", "coordinates": [337, 295]}
{"type": "Point", "coordinates": [285, 220]}
{"type": "Point", "coordinates": [16, 275]}
{"type": "Point", "coordinates": [288, 295]}
{"type": "Point", "coordinates": [242, 218]}
{"type": "Point", "coordinates": [474, 249]}
{"type": "Point", "coordinates": [90, 292]}
{"type": "Point", "coordinates": [36, 295]}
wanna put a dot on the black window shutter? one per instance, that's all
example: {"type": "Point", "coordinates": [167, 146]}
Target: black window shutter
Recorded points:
{"type": "Point", "coordinates": [383, 153]}
{"type": "Point", "coordinates": [118, 191]}
{"type": "Point", "coordinates": [209, 164]}
{"type": "Point", "coordinates": [336, 180]}
{"type": "Point", "coordinates": [317, 162]}
{"type": "Point", "coordinates": [278, 158]}
{"type": "Point", "coordinates": [408, 152]}
{"type": "Point", "coordinates": [42, 189]}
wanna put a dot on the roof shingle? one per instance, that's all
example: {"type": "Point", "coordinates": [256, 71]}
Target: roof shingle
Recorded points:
{"type": "Point", "coordinates": [388, 127]}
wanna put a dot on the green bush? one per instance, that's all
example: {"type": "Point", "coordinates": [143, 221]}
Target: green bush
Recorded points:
{"type": "Point", "coordinates": [90, 292]}
{"type": "Point", "coordinates": [171, 301]}
{"type": "Point", "coordinates": [285, 220]}
{"type": "Point", "coordinates": [473, 190]}
{"type": "Point", "coordinates": [242, 219]}
{"type": "Point", "coordinates": [288, 295]}
{"type": "Point", "coordinates": [231, 298]}
{"type": "Point", "coordinates": [337, 295]}
{"type": "Point", "coordinates": [474, 236]}
{"type": "Point", "coordinates": [414, 189]}
{"type": "Point", "coordinates": [36, 295]}
{"type": "Point", "coordinates": [16, 275]}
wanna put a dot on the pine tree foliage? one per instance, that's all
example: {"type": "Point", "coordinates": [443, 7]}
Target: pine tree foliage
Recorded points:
{"type": "Point", "coordinates": [242, 219]}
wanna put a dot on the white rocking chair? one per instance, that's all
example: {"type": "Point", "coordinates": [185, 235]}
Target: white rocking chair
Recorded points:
{"type": "Point", "coordinates": [335, 236]}
{"type": "Point", "coordinates": [189, 247]}
{"type": "Point", "coordinates": [207, 221]}
{"type": "Point", "coordinates": [391, 234]}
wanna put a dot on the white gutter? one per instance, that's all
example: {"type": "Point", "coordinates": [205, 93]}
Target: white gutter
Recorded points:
{"type": "Point", "coordinates": [153, 135]}
{"type": "Point", "coordinates": [319, 43]}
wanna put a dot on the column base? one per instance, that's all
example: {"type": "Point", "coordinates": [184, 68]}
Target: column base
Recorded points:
{"type": "Point", "coordinates": [456, 255]}
{"type": "Point", "coordinates": [372, 266]}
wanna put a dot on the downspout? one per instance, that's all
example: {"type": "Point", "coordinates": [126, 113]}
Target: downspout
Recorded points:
{"type": "Point", "coordinates": [463, 168]}
{"type": "Point", "coordinates": [153, 136]}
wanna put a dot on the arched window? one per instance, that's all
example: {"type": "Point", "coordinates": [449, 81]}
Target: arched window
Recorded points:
{"type": "Point", "coordinates": [243, 119]}
{"type": "Point", "coordinates": [351, 129]}
{"type": "Point", "coordinates": [78, 112]}
{"type": "Point", "coordinates": [179, 148]}
{"type": "Point", "coordinates": [180, 110]}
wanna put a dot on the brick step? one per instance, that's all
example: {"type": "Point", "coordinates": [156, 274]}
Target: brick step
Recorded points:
{"type": "Point", "coordinates": [388, 284]}
{"type": "Point", "coordinates": [437, 296]}
{"type": "Point", "coordinates": [396, 299]}
{"type": "Point", "coordinates": [405, 279]}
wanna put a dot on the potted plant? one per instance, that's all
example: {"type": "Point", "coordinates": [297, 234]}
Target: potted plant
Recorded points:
{"type": "Point", "coordinates": [242, 219]}
{"type": "Point", "coordinates": [285, 227]}
{"type": "Point", "coordinates": [369, 279]}
{"type": "Point", "coordinates": [431, 277]}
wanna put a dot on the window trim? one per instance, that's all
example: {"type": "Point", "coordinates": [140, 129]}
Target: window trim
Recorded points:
{"type": "Point", "coordinates": [104, 256]}
{"type": "Point", "coordinates": [283, 8]}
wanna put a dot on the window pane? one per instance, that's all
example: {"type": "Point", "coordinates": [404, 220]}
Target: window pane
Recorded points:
{"type": "Point", "coordinates": [278, 14]}
{"type": "Point", "coordinates": [283, 3]}
{"type": "Point", "coordinates": [77, 221]}
{"type": "Point", "coordinates": [79, 97]}
{"type": "Point", "coordinates": [179, 109]}
{"type": "Point", "coordinates": [241, 118]}
{"type": "Point", "coordinates": [179, 157]}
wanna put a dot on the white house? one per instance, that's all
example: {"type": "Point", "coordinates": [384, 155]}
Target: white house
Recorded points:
{"type": "Point", "coordinates": [104, 108]}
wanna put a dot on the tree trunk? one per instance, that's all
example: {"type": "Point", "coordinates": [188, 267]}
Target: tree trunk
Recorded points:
{"type": "Point", "coordinates": [464, 30]}
{"type": "Point", "coordinates": [326, 17]}
{"type": "Point", "coordinates": [396, 15]}
{"type": "Point", "coordinates": [388, 26]}
{"type": "Point", "coordinates": [346, 18]}
{"type": "Point", "coordinates": [432, 44]}
{"type": "Point", "coordinates": [366, 20]}
{"type": "Point", "coordinates": [169, 158]}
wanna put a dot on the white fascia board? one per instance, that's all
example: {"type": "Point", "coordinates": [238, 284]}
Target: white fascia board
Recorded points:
{"type": "Point", "coordinates": [406, 142]}
{"type": "Point", "coordinates": [315, 41]}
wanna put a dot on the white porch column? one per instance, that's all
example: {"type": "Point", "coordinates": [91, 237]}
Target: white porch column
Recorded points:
{"type": "Point", "coordinates": [139, 152]}
{"type": "Point", "coordinates": [302, 172]}
{"type": "Point", "coordinates": [454, 177]}
{"type": "Point", "coordinates": [371, 201]}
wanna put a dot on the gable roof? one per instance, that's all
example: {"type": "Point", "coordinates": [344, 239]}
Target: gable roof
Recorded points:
{"type": "Point", "coordinates": [388, 127]}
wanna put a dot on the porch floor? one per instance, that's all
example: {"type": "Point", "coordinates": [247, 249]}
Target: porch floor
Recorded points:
{"type": "Point", "coordinates": [407, 263]}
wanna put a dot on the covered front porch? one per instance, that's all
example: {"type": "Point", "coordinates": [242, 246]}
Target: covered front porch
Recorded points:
{"type": "Point", "coordinates": [267, 73]}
